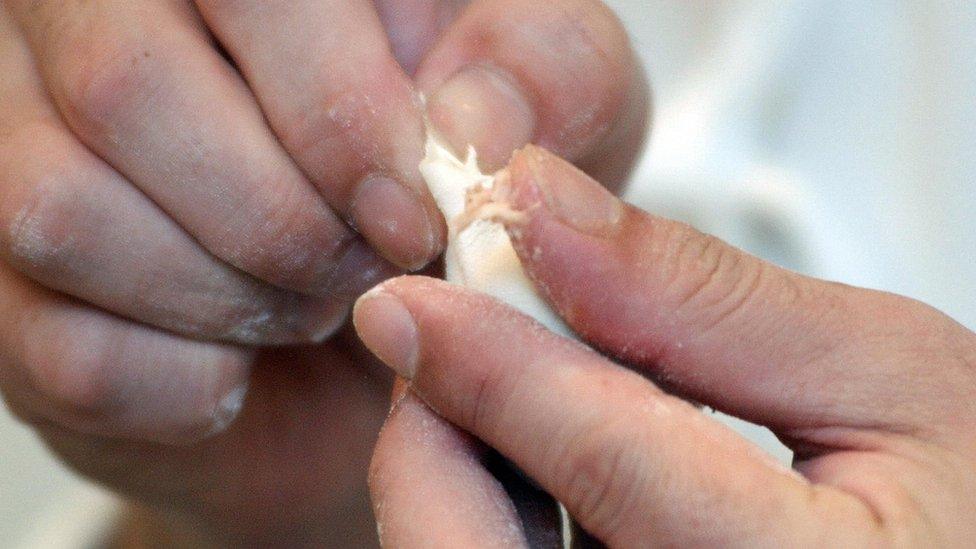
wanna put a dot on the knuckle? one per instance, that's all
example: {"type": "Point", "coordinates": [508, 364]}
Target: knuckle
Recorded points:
{"type": "Point", "coordinates": [286, 243]}
{"type": "Point", "coordinates": [339, 131]}
{"type": "Point", "coordinates": [602, 32]}
{"type": "Point", "coordinates": [37, 219]}
{"type": "Point", "coordinates": [921, 337]}
{"type": "Point", "coordinates": [306, 133]}
{"type": "Point", "coordinates": [77, 379]}
{"type": "Point", "coordinates": [341, 142]}
{"type": "Point", "coordinates": [888, 318]}
{"type": "Point", "coordinates": [101, 82]}
{"type": "Point", "coordinates": [590, 26]}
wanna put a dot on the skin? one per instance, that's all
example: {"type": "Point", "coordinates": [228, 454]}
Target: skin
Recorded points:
{"type": "Point", "coordinates": [872, 391]}
{"type": "Point", "coordinates": [188, 187]}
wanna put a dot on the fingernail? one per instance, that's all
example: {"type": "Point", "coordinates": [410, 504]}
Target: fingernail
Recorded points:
{"type": "Point", "coordinates": [388, 329]}
{"type": "Point", "coordinates": [394, 220]}
{"type": "Point", "coordinates": [227, 410]}
{"type": "Point", "coordinates": [566, 192]}
{"type": "Point", "coordinates": [483, 107]}
{"type": "Point", "coordinates": [299, 321]}
{"type": "Point", "coordinates": [359, 270]}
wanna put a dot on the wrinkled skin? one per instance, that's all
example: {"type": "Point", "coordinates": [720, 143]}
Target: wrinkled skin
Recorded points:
{"type": "Point", "coordinates": [872, 391]}
{"type": "Point", "coordinates": [185, 187]}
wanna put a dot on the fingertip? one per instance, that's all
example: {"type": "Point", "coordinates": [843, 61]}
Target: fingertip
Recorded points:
{"type": "Point", "coordinates": [109, 377]}
{"type": "Point", "coordinates": [574, 238]}
{"type": "Point", "coordinates": [388, 330]}
{"type": "Point", "coordinates": [576, 91]}
{"type": "Point", "coordinates": [359, 269]}
{"type": "Point", "coordinates": [537, 182]}
{"type": "Point", "coordinates": [227, 373]}
{"type": "Point", "coordinates": [429, 487]}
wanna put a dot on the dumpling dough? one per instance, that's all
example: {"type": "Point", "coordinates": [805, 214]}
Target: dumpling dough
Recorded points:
{"type": "Point", "coordinates": [479, 252]}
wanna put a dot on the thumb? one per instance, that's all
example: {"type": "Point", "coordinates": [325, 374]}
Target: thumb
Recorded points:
{"type": "Point", "coordinates": [495, 81]}
{"type": "Point", "coordinates": [724, 327]}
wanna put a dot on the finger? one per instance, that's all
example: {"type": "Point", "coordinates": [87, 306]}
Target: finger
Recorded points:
{"type": "Point", "coordinates": [631, 463]}
{"type": "Point", "coordinates": [413, 26]}
{"type": "Point", "coordinates": [304, 435]}
{"type": "Point", "coordinates": [724, 327]}
{"type": "Point", "coordinates": [141, 84]}
{"type": "Point", "coordinates": [64, 363]}
{"type": "Point", "coordinates": [342, 106]}
{"type": "Point", "coordinates": [430, 487]}
{"type": "Point", "coordinates": [72, 223]}
{"type": "Point", "coordinates": [496, 81]}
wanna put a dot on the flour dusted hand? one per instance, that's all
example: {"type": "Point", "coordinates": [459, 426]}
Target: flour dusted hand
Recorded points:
{"type": "Point", "coordinates": [872, 391]}
{"type": "Point", "coordinates": [189, 188]}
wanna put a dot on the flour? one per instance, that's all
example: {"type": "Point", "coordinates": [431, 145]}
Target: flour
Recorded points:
{"type": "Point", "coordinates": [479, 252]}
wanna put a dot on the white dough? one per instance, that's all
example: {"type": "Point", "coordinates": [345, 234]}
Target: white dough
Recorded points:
{"type": "Point", "coordinates": [480, 255]}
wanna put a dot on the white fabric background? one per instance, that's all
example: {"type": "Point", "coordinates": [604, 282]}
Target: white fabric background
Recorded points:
{"type": "Point", "coordinates": [837, 138]}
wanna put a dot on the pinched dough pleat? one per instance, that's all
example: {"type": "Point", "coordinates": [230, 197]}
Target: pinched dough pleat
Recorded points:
{"type": "Point", "coordinates": [479, 252]}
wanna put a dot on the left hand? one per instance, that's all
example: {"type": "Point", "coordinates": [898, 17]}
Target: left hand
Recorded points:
{"type": "Point", "coordinates": [872, 391]}
{"type": "Point", "coordinates": [175, 179]}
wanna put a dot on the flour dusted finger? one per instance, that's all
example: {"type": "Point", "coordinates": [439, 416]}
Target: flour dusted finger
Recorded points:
{"type": "Point", "coordinates": [73, 223]}
{"type": "Point", "coordinates": [70, 365]}
{"type": "Point", "coordinates": [726, 328]}
{"type": "Point", "coordinates": [628, 461]}
{"type": "Point", "coordinates": [142, 84]}
{"type": "Point", "coordinates": [430, 488]}
{"type": "Point", "coordinates": [559, 73]}
{"type": "Point", "coordinates": [343, 108]}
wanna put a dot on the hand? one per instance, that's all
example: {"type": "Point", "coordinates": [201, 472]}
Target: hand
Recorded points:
{"type": "Point", "coordinates": [177, 185]}
{"type": "Point", "coordinates": [872, 391]}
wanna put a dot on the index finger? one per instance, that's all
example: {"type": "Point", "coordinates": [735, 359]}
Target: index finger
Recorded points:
{"type": "Point", "coordinates": [341, 105]}
{"type": "Point", "coordinates": [431, 486]}
{"type": "Point", "coordinates": [634, 465]}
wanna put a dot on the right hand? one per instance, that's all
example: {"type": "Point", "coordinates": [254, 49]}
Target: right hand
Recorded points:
{"type": "Point", "coordinates": [872, 391]}
{"type": "Point", "coordinates": [166, 208]}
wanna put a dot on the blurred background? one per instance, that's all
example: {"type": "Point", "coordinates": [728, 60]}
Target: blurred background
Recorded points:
{"type": "Point", "coordinates": [836, 138]}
